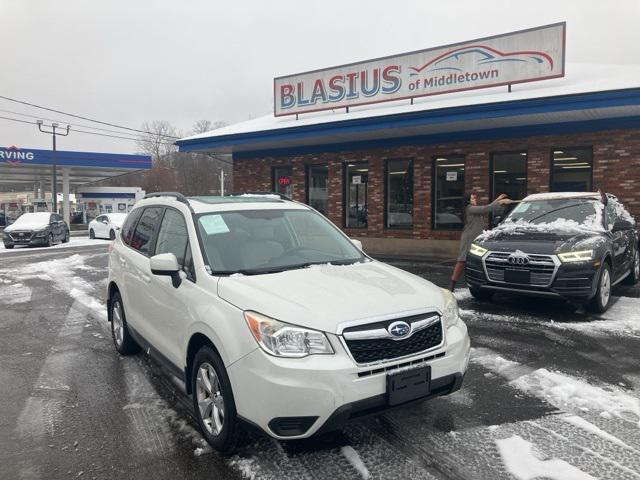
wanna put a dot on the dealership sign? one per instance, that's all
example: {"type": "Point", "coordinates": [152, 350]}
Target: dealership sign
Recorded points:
{"type": "Point", "coordinates": [523, 56]}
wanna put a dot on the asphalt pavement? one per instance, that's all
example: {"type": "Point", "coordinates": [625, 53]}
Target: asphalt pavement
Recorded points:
{"type": "Point", "coordinates": [551, 392]}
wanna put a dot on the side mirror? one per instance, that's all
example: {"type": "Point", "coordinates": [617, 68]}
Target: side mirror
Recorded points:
{"type": "Point", "coordinates": [621, 225]}
{"type": "Point", "coordinates": [166, 264]}
{"type": "Point", "coordinates": [357, 243]}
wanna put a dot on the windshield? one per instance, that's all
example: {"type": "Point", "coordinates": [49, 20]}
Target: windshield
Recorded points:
{"type": "Point", "coordinates": [562, 213]}
{"type": "Point", "coordinates": [266, 241]}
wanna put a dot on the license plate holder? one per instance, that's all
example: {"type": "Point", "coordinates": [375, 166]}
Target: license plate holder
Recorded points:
{"type": "Point", "coordinates": [408, 385]}
{"type": "Point", "coordinates": [517, 276]}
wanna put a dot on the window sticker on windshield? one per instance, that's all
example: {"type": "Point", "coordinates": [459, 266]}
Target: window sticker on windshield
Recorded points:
{"type": "Point", "coordinates": [213, 224]}
{"type": "Point", "coordinates": [523, 207]}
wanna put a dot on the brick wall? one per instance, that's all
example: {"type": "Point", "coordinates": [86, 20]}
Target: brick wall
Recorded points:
{"type": "Point", "coordinates": [616, 167]}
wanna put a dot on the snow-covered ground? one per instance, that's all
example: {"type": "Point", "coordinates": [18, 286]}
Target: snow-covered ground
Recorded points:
{"type": "Point", "coordinates": [73, 242]}
{"type": "Point", "coordinates": [550, 393]}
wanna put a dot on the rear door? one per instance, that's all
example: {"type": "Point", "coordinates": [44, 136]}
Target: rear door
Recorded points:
{"type": "Point", "coordinates": [620, 240]}
{"type": "Point", "coordinates": [137, 272]}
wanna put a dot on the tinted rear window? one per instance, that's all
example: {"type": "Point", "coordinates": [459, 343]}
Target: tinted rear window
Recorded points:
{"type": "Point", "coordinates": [129, 225]}
{"type": "Point", "coordinates": [143, 234]}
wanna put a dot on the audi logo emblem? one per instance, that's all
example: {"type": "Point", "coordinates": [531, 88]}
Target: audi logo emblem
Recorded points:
{"type": "Point", "coordinates": [518, 259]}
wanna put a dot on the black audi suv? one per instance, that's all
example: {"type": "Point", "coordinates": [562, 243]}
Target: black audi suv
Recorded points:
{"type": "Point", "coordinates": [570, 245]}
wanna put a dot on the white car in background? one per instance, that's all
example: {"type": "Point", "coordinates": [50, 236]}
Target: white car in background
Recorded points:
{"type": "Point", "coordinates": [107, 225]}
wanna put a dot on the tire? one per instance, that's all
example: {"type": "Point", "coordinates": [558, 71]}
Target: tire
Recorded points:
{"type": "Point", "coordinates": [634, 274]}
{"type": "Point", "coordinates": [8, 247]}
{"type": "Point", "coordinates": [217, 419]}
{"type": "Point", "coordinates": [112, 235]}
{"type": "Point", "coordinates": [67, 237]}
{"type": "Point", "coordinates": [49, 240]}
{"type": "Point", "coordinates": [600, 302]}
{"type": "Point", "coordinates": [122, 340]}
{"type": "Point", "coordinates": [92, 234]}
{"type": "Point", "coordinates": [482, 295]}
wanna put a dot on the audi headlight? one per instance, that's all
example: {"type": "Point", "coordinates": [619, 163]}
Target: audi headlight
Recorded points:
{"type": "Point", "coordinates": [477, 250]}
{"type": "Point", "coordinates": [42, 233]}
{"type": "Point", "coordinates": [450, 315]}
{"type": "Point", "coordinates": [285, 340]}
{"type": "Point", "coordinates": [581, 256]}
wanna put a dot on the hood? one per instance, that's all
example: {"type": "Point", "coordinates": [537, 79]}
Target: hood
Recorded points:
{"type": "Point", "coordinates": [322, 297]}
{"type": "Point", "coordinates": [27, 226]}
{"type": "Point", "coordinates": [531, 240]}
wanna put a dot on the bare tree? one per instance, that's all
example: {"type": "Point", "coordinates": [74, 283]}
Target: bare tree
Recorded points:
{"type": "Point", "coordinates": [202, 126]}
{"type": "Point", "coordinates": [159, 142]}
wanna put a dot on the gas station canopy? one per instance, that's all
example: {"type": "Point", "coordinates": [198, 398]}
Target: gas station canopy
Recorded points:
{"type": "Point", "coordinates": [29, 166]}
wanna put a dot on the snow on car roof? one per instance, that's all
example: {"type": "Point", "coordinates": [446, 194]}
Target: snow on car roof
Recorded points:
{"type": "Point", "coordinates": [560, 196]}
{"type": "Point", "coordinates": [207, 204]}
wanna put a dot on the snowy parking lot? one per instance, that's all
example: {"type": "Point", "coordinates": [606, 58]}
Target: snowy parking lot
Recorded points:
{"type": "Point", "coordinates": [552, 392]}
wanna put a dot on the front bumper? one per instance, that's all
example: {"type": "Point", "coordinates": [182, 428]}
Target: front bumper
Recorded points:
{"type": "Point", "coordinates": [321, 392]}
{"type": "Point", "coordinates": [31, 241]}
{"type": "Point", "coordinates": [572, 281]}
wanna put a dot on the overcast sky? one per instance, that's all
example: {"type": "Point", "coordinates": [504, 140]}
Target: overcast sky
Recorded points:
{"type": "Point", "coordinates": [128, 61]}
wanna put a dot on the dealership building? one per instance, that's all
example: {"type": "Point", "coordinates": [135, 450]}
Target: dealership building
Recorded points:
{"type": "Point", "coordinates": [388, 148]}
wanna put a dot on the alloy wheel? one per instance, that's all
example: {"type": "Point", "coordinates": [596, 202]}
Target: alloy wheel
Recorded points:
{"type": "Point", "coordinates": [605, 287]}
{"type": "Point", "coordinates": [117, 325]}
{"type": "Point", "coordinates": [210, 399]}
{"type": "Point", "coordinates": [636, 265]}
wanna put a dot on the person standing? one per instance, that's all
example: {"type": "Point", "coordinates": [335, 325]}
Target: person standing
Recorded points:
{"type": "Point", "coordinates": [473, 226]}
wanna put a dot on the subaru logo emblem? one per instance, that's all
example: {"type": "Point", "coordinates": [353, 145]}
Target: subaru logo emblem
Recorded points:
{"type": "Point", "coordinates": [399, 329]}
{"type": "Point", "coordinates": [518, 258]}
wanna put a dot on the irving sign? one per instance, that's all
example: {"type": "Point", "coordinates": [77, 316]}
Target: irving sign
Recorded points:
{"type": "Point", "coordinates": [524, 56]}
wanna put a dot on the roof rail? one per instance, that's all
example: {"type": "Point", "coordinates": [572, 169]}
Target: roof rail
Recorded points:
{"type": "Point", "coordinates": [281, 196]}
{"type": "Point", "coordinates": [177, 195]}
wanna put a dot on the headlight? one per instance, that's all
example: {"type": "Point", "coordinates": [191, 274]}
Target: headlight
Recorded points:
{"type": "Point", "coordinates": [450, 314]}
{"type": "Point", "coordinates": [42, 233]}
{"type": "Point", "coordinates": [477, 250]}
{"type": "Point", "coordinates": [581, 256]}
{"type": "Point", "coordinates": [286, 340]}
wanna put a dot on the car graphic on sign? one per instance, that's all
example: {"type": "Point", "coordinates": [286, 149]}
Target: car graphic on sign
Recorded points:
{"type": "Point", "coordinates": [461, 59]}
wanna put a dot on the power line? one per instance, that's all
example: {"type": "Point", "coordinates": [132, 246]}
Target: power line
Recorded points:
{"type": "Point", "coordinates": [80, 131]}
{"type": "Point", "coordinates": [61, 121]}
{"type": "Point", "coordinates": [84, 118]}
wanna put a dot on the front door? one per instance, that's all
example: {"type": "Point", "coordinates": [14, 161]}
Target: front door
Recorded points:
{"type": "Point", "coordinates": [170, 306]}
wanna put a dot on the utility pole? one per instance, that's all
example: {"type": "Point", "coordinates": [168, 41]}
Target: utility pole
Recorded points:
{"type": "Point", "coordinates": [54, 192]}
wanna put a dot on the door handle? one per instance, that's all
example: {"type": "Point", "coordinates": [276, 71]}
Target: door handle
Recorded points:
{"type": "Point", "coordinates": [145, 278]}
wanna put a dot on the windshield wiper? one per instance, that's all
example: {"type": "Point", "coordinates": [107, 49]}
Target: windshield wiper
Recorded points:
{"type": "Point", "coordinates": [284, 268]}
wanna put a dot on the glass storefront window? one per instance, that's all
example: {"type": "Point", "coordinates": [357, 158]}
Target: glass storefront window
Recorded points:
{"type": "Point", "coordinates": [399, 194]}
{"type": "Point", "coordinates": [508, 175]}
{"type": "Point", "coordinates": [317, 180]}
{"type": "Point", "coordinates": [282, 181]}
{"type": "Point", "coordinates": [571, 169]}
{"type": "Point", "coordinates": [356, 183]}
{"type": "Point", "coordinates": [448, 204]}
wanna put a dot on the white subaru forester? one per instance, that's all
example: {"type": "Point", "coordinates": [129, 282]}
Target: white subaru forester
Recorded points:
{"type": "Point", "coordinates": [272, 317]}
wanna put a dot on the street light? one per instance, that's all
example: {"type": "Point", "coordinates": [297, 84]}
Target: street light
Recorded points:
{"type": "Point", "coordinates": [54, 192]}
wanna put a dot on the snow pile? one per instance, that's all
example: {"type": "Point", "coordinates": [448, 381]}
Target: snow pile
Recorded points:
{"type": "Point", "coordinates": [523, 462]}
{"type": "Point", "coordinates": [562, 391]}
{"type": "Point", "coordinates": [591, 428]}
{"type": "Point", "coordinates": [565, 392]}
{"type": "Point", "coordinates": [356, 462]}
{"type": "Point", "coordinates": [622, 319]}
{"type": "Point", "coordinates": [16, 293]}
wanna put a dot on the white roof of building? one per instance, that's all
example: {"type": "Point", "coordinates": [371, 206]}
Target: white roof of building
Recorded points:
{"type": "Point", "coordinates": [580, 78]}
